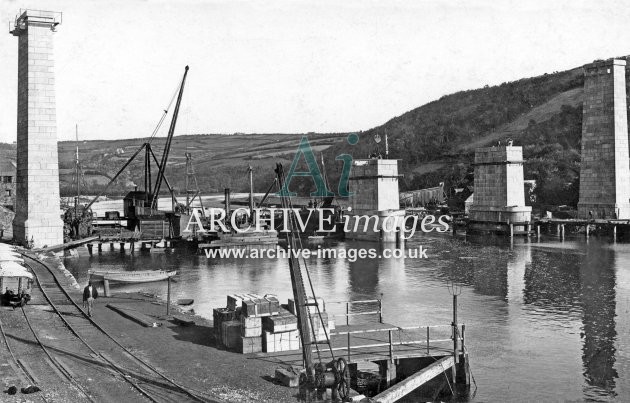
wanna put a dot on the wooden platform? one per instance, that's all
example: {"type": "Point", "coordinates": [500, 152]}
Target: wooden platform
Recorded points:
{"type": "Point", "coordinates": [375, 342]}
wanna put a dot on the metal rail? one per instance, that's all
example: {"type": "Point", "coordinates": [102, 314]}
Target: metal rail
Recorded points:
{"type": "Point", "coordinates": [349, 314]}
{"type": "Point", "coordinates": [114, 366]}
{"type": "Point", "coordinates": [56, 362]}
{"type": "Point", "coordinates": [110, 362]}
{"type": "Point", "coordinates": [15, 360]}
{"type": "Point", "coordinates": [391, 344]}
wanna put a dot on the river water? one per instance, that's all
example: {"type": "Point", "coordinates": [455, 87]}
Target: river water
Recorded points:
{"type": "Point", "coordinates": [546, 320]}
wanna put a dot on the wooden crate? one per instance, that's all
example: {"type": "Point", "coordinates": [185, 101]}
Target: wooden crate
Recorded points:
{"type": "Point", "coordinates": [220, 315]}
{"type": "Point", "coordinates": [251, 326]}
{"type": "Point", "coordinates": [248, 345]}
{"type": "Point", "coordinates": [231, 334]}
{"type": "Point", "coordinates": [235, 301]}
{"type": "Point", "coordinates": [283, 341]}
{"type": "Point", "coordinates": [284, 321]}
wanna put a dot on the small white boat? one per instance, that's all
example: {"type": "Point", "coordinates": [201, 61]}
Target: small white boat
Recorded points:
{"type": "Point", "coordinates": [140, 276]}
{"type": "Point", "coordinates": [316, 238]}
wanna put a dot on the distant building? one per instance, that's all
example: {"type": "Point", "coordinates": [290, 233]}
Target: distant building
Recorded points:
{"type": "Point", "coordinates": [8, 169]}
{"type": "Point", "coordinates": [469, 202]}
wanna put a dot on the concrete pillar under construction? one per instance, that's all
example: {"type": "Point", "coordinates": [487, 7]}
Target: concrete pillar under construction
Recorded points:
{"type": "Point", "coordinates": [604, 169]}
{"type": "Point", "coordinates": [37, 217]}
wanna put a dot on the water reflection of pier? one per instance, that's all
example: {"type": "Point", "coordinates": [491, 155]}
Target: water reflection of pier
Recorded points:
{"type": "Point", "coordinates": [573, 288]}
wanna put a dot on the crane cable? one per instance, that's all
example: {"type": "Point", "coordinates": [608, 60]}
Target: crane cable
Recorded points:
{"type": "Point", "coordinates": [164, 113]}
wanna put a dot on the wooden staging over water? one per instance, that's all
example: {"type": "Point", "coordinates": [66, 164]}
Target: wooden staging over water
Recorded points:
{"type": "Point", "coordinates": [407, 357]}
{"type": "Point", "coordinates": [377, 341]}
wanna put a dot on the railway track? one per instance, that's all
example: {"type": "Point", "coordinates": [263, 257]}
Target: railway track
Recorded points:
{"type": "Point", "coordinates": [85, 357]}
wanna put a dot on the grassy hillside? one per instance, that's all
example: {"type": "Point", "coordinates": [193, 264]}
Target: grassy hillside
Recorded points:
{"type": "Point", "coordinates": [435, 143]}
{"type": "Point", "coordinates": [219, 161]}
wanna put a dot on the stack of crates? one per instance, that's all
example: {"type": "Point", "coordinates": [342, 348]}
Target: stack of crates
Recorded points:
{"type": "Point", "coordinates": [280, 332]}
{"type": "Point", "coordinates": [239, 325]}
{"type": "Point", "coordinates": [252, 323]}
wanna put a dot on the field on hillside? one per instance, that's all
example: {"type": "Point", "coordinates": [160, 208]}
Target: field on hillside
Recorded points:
{"type": "Point", "coordinates": [219, 161]}
{"type": "Point", "coordinates": [434, 143]}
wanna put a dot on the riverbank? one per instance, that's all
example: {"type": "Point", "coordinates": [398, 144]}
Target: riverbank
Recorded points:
{"type": "Point", "coordinates": [187, 354]}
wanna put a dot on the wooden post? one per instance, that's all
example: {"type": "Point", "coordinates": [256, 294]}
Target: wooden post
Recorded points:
{"type": "Point", "coordinates": [538, 230]}
{"type": "Point", "coordinates": [19, 285]}
{"type": "Point", "coordinates": [168, 297]}
{"type": "Point", "coordinates": [348, 313]}
{"type": "Point", "coordinates": [122, 247]}
{"type": "Point", "coordinates": [558, 229]}
{"type": "Point", "coordinates": [89, 248]}
{"type": "Point", "coordinates": [348, 346]}
{"type": "Point", "coordinates": [100, 247]}
{"type": "Point", "coordinates": [391, 347]}
{"type": "Point", "coordinates": [380, 309]}
{"type": "Point", "coordinates": [587, 229]}
{"type": "Point", "coordinates": [614, 233]}
{"type": "Point", "coordinates": [511, 230]}
{"type": "Point", "coordinates": [463, 337]}
{"type": "Point", "coordinates": [1, 285]}
{"type": "Point", "coordinates": [428, 351]}
{"type": "Point", "coordinates": [106, 287]}
{"type": "Point", "coordinates": [563, 232]}
{"type": "Point", "coordinates": [111, 246]}
{"type": "Point", "coordinates": [455, 355]}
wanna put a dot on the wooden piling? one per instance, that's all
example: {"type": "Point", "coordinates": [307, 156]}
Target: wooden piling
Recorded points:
{"type": "Point", "coordinates": [614, 233]}
{"type": "Point", "coordinates": [455, 353]}
{"type": "Point", "coordinates": [380, 309]}
{"type": "Point", "coordinates": [100, 247]}
{"type": "Point", "coordinates": [122, 247]}
{"type": "Point", "coordinates": [106, 287]}
{"type": "Point", "coordinates": [511, 230]}
{"type": "Point", "coordinates": [168, 297]}
{"type": "Point", "coordinates": [538, 231]}
{"type": "Point", "coordinates": [89, 248]}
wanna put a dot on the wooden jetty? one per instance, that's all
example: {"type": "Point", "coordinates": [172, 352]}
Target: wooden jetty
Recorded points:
{"type": "Point", "coordinates": [558, 226]}
{"type": "Point", "coordinates": [403, 354]}
{"type": "Point", "coordinates": [267, 239]}
{"type": "Point", "coordinates": [608, 226]}
{"type": "Point", "coordinates": [130, 242]}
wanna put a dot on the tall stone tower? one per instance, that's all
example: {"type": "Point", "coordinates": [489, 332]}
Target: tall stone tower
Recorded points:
{"type": "Point", "coordinates": [605, 170]}
{"type": "Point", "coordinates": [37, 215]}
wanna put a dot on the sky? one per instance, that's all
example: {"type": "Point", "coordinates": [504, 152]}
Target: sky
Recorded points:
{"type": "Point", "coordinates": [295, 66]}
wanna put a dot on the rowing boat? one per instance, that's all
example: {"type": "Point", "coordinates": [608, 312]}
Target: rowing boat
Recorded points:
{"type": "Point", "coordinates": [140, 276]}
